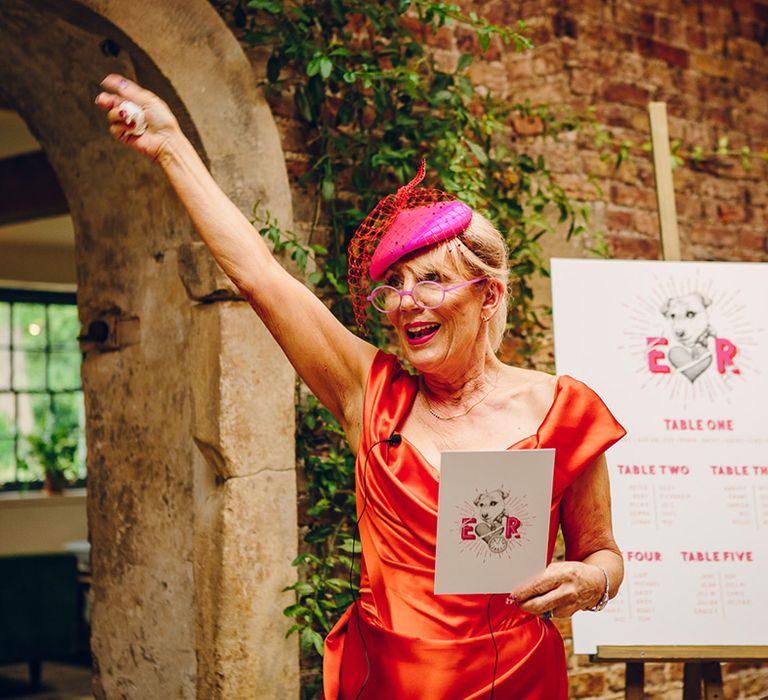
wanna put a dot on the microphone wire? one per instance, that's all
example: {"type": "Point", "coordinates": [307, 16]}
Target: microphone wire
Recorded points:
{"type": "Point", "coordinates": [495, 648]}
{"type": "Point", "coordinates": [393, 440]}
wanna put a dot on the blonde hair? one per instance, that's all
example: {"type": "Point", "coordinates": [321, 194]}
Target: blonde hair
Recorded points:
{"type": "Point", "coordinates": [481, 252]}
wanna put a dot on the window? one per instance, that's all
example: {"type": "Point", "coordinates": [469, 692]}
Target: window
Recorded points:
{"type": "Point", "coordinates": [41, 398]}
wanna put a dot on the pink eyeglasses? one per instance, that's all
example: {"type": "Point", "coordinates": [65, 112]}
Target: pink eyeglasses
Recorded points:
{"type": "Point", "coordinates": [426, 294]}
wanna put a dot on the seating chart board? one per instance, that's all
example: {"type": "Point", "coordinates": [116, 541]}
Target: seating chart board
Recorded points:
{"type": "Point", "coordinates": [679, 353]}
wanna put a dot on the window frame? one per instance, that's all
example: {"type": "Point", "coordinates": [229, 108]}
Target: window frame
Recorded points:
{"type": "Point", "coordinates": [47, 298]}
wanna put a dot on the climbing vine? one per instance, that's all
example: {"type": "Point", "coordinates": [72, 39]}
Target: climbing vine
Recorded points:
{"type": "Point", "coordinates": [373, 100]}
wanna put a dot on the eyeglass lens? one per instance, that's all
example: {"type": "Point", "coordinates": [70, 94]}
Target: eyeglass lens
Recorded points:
{"type": "Point", "coordinates": [426, 294]}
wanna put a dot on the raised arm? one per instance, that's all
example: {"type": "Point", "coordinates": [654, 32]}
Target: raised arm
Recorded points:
{"type": "Point", "coordinates": [332, 361]}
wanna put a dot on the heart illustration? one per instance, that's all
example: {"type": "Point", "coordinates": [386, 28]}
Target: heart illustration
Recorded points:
{"type": "Point", "coordinates": [483, 530]}
{"type": "Point", "coordinates": [692, 366]}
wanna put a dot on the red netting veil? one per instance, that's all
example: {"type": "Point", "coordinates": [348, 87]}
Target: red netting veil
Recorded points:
{"type": "Point", "coordinates": [429, 226]}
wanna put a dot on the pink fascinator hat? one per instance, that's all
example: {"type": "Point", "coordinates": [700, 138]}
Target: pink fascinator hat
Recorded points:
{"type": "Point", "coordinates": [402, 223]}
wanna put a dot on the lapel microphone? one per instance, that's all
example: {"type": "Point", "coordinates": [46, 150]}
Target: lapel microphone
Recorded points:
{"type": "Point", "coordinates": [395, 439]}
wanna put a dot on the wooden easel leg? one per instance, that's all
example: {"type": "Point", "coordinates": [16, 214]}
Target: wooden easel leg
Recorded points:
{"type": "Point", "coordinates": [692, 681]}
{"type": "Point", "coordinates": [35, 673]}
{"type": "Point", "coordinates": [635, 680]}
{"type": "Point", "coordinates": [713, 680]}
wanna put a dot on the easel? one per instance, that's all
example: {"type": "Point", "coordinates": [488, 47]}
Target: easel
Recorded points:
{"type": "Point", "coordinates": [701, 668]}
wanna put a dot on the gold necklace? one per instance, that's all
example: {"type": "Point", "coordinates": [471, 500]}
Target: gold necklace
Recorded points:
{"type": "Point", "coordinates": [458, 415]}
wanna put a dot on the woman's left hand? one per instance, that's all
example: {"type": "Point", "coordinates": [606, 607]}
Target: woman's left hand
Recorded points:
{"type": "Point", "coordinates": [561, 589]}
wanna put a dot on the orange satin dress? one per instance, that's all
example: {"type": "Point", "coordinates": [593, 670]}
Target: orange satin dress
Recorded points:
{"type": "Point", "coordinates": [426, 647]}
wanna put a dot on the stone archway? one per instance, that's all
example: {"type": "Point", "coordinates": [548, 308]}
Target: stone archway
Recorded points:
{"type": "Point", "coordinates": [191, 547]}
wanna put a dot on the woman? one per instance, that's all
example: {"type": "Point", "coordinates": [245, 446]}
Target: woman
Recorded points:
{"type": "Point", "coordinates": [445, 273]}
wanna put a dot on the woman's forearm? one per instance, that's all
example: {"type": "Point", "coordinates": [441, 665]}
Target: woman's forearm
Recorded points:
{"type": "Point", "coordinates": [239, 250]}
{"type": "Point", "coordinates": [612, 563]}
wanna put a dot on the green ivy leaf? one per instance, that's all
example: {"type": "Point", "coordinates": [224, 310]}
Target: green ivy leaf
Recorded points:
{"type": "Point", "coordinates": [273, 68]}
{"type": "Point", "coordinates": [311, 639]}
{"type": "Point", "coordinates": [478, 152]}
{"type": "Point", "coordinates": [272, 6]}
{"type": "Point", "coordinates": [464, 62]}
{"type": "Point", "coordinates": [326, 67]}
{"type": "Point", "coordinates": [302, 105]}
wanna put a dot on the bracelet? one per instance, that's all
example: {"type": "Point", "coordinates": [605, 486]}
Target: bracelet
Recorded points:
{"type": "Point", "coordinates": [606, 593]}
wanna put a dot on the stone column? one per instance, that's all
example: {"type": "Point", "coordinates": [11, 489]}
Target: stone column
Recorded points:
{"type": "Point", "coordinates": [245, 492]}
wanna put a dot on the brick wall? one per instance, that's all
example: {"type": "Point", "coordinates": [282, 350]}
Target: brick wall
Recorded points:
{"type": "Point", "coordinates": [707, 61]}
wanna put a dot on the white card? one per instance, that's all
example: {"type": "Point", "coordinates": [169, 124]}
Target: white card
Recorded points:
{"type": "Point", "coordinates": [492, 519]}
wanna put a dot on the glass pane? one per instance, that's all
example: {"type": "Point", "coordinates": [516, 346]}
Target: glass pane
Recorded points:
{"type": "Point", "coordinates": [5, 324]}
{"type": "Point", "coordinates": [5, 369]}
{"type": "Point", "coordinates": [7, 415]}
{"type": "Point", "coordinates": [29, 370]}
{"type": "Point", "coordinates": [64, 326]}
{"type": "Point", "coordinates": [29, 328]}
{"type": "Point", "coordinates": [34, 414]}
{"type": "Point", "coordinates": [7, 462]}
{"type": "Point", "coordinates": [64, 371]}
{"type": "Point", "coordinates": [34, 472]}
{"type": "Point", "coordinates": [68, 409]}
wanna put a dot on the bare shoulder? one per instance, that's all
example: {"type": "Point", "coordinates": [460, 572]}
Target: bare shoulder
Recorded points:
{"type": "Point", "coordinates": [528, 379]}
{"type": "Point", "coordinates": [533, 387]}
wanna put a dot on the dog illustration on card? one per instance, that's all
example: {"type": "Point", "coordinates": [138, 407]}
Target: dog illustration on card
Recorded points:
{"type": "Point", "coordinates": [691, 344]}
{"type": "Point", "coordinates": [492, 523]}
{"type": "Point", "coordinates": [688, 319]}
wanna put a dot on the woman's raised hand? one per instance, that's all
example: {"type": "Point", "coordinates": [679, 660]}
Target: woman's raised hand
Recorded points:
{"type": "Point", "coordinates": [161, 125]}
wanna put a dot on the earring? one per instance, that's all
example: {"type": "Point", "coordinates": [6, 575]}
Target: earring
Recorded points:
{"type": "Point", "coordinates": [485, 319]}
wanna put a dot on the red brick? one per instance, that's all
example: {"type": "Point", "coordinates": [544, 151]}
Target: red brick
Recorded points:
{"type": "Point", "coordinates": [621, 220]}
{"type": "Point", "coordinates": [527, 126]}
{"type": "Point", "coordinates": [492, 75]}
{"type": "Point", "coordinates": [633, 196]}
{"type": "Point", "coordinates": [634, 248]}
{"type": "Point", "coordinates": [586, 684]}
{"type": "Point", "coordinates": [720, 117]}
{"type": "Point", "coordinates": [563, 625]}
{"type": "Point", "coordinates": [646, 222]}
{"type": "Point", "coordinates": [696, 38]}
{"type": "Point", "coordinates": [753, 241]}
{"type": "Point", "coordinates": [519, 67]}
{"type": "Point", "coordinates": [578, 186]}
{"type": "Point", "coordinates": [715, 236]}
{"type": "Point", "coordinates": [584, 82]}
{"type": "Point", "coordinates": [548, 60]}
{"type": "Point", "coordinates": [665, 52]}
{"type": "Point", "coordinates": [761, 11]}
{"type": "Point", "coordinates": [616, 114]}
{"type": "Point", "coordinates": [714, 65]}
{"type": "Point", "coordinates": [626, 93]}
{"type": "Point", "coordinates": [296, 168]}
{"type": "Point", "coordinates": [732, 213]}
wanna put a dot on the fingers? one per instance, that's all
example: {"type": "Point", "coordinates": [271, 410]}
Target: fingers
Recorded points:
{"type": "Point", "coordinates": [557, 590]}
{"type": "Point", "coordinates": [121, 132]}
{"type": "Point", "coordinates": [535, 587]}
{"type": "Point", "coordinates": [106, 101]}
{"type": "Point", "coordinates": [117, 116]}
{"type": "Point", "coordinates": [126, 89]}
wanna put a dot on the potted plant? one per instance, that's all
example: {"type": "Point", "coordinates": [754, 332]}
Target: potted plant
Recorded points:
{"type": "Point", "coordinates": [54, 453]}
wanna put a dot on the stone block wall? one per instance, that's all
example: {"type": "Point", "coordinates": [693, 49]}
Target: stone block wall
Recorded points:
{"type": "Point", "coordinates": [707, 60]}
